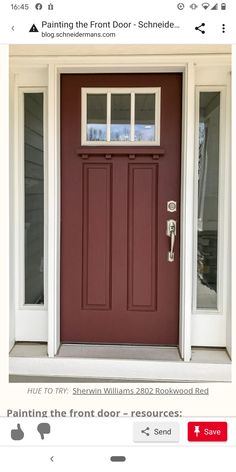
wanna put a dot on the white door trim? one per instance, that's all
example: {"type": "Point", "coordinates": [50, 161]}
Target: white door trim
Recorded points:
{"type": "Point", "coordinates": [54, 199]}
{"type": "Point", "coordinates": [186, 244]}
{"type": "Point", "coordinates": [7, 332]}
{"type": "Point", "coordinates": [54, 212]}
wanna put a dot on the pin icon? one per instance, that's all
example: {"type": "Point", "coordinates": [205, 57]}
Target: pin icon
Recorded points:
{"type": "Point", "coordinates": [17, 434]}
{"type": "Point", "coordinates": [43, 428]}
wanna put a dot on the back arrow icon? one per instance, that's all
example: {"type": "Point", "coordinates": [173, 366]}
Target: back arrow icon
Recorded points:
{"type": "Point", "coordinates": [13, 28]}
{"type": "Point", "coordinates": [52, 458]}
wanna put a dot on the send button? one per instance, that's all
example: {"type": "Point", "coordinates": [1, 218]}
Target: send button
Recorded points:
{"type": "Point", "coordinates": [156, 432]}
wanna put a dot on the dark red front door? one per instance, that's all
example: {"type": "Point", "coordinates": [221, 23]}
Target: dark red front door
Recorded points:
{"type": "Point", "coordinates": [117, 285]}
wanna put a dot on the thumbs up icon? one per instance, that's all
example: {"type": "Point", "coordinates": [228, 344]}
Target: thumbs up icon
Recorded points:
{"type": "Point", "coordinates": [17, 434]}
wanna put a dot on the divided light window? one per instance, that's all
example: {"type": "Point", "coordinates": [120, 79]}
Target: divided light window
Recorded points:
{"type": "Point", "coordinates": [121, 116]}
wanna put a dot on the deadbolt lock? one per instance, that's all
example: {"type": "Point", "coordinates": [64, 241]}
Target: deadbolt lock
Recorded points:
{"type": "Point", "coordinates": [171, 206]}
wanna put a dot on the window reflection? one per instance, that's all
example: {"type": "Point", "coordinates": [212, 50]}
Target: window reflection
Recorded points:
{"type": "Point", "coordinates": [96, 117]}
{"type": "Point", "coordinates": [208, 182]}
{"type": "Point", "coordinates": [120, 117]}
{"type": "Point", "coordinates": [144, 117]}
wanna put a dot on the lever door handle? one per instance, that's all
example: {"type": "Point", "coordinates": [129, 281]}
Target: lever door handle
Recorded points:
{"type": "Point", "coordinates": [171, 232]}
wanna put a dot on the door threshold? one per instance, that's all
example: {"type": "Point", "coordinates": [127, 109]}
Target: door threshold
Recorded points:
{"type": "Point", "coordinates": [207, 365]}
{"type": "Point", "coordinates": [120, 351]}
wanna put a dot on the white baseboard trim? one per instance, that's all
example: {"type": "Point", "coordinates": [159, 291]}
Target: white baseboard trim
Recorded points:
{"type": "Point", "coordinates": [121, 369]}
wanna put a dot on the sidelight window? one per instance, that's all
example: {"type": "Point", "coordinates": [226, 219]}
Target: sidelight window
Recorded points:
{"type": "Point", "coordinates": [34, 198]}
{"type": "Point", "coordinates": [121, 116]}
{"type": "Point", "coordinates": [208, 200]}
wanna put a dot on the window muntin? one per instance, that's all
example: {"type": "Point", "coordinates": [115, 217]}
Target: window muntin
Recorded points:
{"type": "Point", "coordinates": [120, 116]}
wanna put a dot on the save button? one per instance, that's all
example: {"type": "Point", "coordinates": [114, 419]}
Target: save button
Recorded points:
{"type": "Point", "coordinates": [207, 431]}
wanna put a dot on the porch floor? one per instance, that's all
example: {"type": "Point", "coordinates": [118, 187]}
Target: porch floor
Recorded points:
{"type": "Point", "coordinates": [84, 351]}
{"type": "Point", "coordinates": [95, 363]}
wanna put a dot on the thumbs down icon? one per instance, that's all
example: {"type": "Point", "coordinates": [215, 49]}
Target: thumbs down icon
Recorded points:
{"type": "Point", "coordinates": [43, 428]}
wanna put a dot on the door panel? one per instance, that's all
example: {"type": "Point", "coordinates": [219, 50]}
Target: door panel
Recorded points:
{"type": "Point", "coordinates": [142, 236]}
{"type": "Point", "coordinates": [96, 228]}
{"type": "Point", "coordinates": [117, 285]}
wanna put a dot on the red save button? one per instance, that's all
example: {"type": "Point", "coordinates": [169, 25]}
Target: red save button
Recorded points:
{"type": "Point", "coordinates": [207, 431]}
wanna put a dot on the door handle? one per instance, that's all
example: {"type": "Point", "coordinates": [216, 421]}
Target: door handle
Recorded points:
{"type": "Point", "coordinates": [171, 232]}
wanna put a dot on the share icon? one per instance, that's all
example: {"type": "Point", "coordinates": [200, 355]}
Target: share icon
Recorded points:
{"type": "Point", "coordinates": [146, 431]}
{"type": "Point", "coordinates": [198, 28]}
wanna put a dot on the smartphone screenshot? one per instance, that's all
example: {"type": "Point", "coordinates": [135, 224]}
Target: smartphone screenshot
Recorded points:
{"type": "Point", "coordinates": [117, 258]}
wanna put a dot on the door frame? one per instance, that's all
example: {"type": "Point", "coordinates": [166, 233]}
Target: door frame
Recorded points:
{"type": "Point", "coordinates": [187, 176]}
{"type": "Point", "coordinates": [45, 71]}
